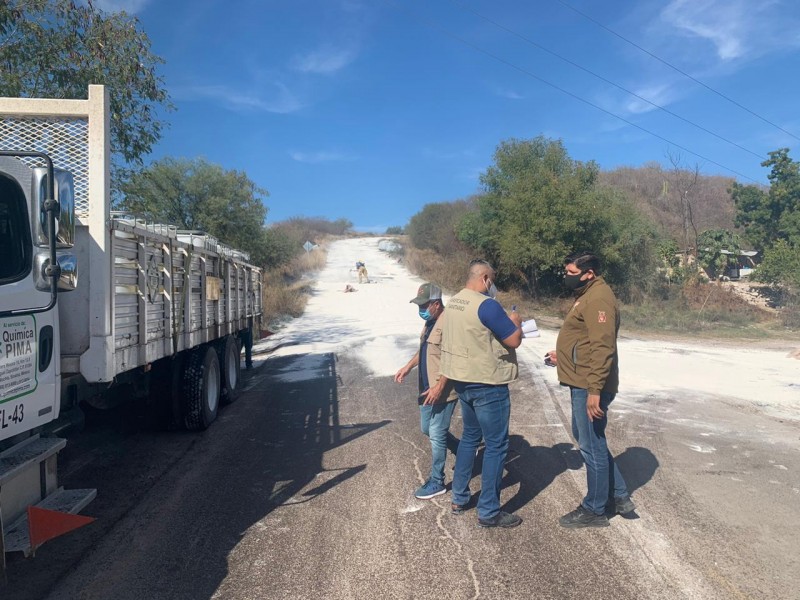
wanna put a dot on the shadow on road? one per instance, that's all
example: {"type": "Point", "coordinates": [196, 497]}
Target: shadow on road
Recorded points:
{"type": "Point", "coordinates": [173, 509]}
{"type": "Point", "coordinates": [534, 468]}
{"type": "Point", "coordinates": [637, 465]}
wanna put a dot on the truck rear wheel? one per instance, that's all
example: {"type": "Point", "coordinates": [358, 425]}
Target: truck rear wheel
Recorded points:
{"type": "Point", "coordinates": [201, 388]}
{"type": "Point", "coordinates": [230, 363]}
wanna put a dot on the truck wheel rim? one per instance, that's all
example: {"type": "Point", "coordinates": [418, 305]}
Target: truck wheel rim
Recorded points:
{"type": "Point", "coordinates": [230, 365]}
{"type": "Point", "coordinates": [212, 389]}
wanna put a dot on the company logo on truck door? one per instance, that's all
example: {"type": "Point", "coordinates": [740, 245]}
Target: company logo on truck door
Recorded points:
{"type": "Point", "coordinates": [17, 357]}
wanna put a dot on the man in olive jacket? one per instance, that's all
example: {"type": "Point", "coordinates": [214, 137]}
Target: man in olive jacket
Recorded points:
{"type": "Point", "coordinates": [586, 357]}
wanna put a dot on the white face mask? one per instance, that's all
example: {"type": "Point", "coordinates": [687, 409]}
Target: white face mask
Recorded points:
{"type": "Point", "coordinates": [490, 289]}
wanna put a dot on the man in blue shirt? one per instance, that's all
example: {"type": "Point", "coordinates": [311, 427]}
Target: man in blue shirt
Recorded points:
{"type": "Point", "coordinates": [478, 356]}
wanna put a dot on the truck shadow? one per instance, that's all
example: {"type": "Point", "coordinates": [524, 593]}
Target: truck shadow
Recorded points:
{"type": "Point", "coordinates": [174, 509]}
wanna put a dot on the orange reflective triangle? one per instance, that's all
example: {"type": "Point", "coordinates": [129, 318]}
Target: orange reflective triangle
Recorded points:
{"type": "Point", "coordinates": [44, 525]}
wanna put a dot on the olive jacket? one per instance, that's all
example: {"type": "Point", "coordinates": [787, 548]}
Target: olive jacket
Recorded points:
{"type": "Point", "coordinates": [587, 342]}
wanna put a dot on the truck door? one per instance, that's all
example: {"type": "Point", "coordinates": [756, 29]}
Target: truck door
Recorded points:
{"type": "Point", "coordinates": [29, 345]}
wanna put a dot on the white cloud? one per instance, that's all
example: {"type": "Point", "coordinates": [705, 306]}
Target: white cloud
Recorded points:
{"type": "Point", "coordinates": [660, 94]}
{"type": "Point", "coordinates": [326, 60]}
{"type": "Point", "coordinates": [129, 6]}
{"type": "Point", "coordinates": [280, 101]}
{"type": "Point", "coordinates": [508, 93]}
{"type": "Point", "coordinates": [320, 157]}
{"type": "Point", "coordinates": [737, 28]}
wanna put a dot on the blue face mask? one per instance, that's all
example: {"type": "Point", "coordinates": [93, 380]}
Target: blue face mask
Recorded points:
{"type": "Point", "coordinates": [425, 315]}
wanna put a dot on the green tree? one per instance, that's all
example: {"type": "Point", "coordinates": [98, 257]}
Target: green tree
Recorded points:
{"type": "Point", "coordinates": [717, 249]}
{"type": "Point", "coordinates": [394, 230]}
{"type": "Point", "coordinates": [540, 204]}
{"type": "Point", "coordinates": [435, 226]}
{"type": "Point", "coordinates": [56, 48]}
{"type": "Point", "coordinates": [781, 265]}
{"type": "Point", "coordinates": [769, 216]}
{"type": "Point", "coordinates": [198, 195]}
{"type": "Point", "coordinates": [670, 253]}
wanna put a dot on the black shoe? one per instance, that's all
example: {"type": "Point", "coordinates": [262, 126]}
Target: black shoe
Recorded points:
{"type": "Point", "coordinates": [580, 517]}
{"type": "Point", "coordinates": [458, 509]}
{"type": "Point", "coordinates": [624, 505]}
{"type": "Point", "coordinates": [501, 519]}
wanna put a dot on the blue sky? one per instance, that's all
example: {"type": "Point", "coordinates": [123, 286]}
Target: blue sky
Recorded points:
{"type": "Point", "coordinates": [370, 109]}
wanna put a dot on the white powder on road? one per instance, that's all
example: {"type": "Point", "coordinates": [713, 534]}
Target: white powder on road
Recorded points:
{"type": "Point", "coordinates": [382, 327]}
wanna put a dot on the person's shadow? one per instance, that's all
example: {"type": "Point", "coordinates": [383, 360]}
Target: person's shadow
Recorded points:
{"type": "Point", "coordinates": [536, 467]}
{"type": "Point", "coordinates": [637, 465]}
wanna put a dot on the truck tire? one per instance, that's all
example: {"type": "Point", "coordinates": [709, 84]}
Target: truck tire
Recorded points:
{"type": "Point", "coordinates": [230, 364]}
{"type": "Point", "coordinates": [201, 387]}
{"type": "Point", "coordinates": [166, 392]}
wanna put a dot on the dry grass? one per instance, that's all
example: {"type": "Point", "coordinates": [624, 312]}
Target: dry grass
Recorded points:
{"type": "Point", "coordinates": [286, 288]}
{"type": "Point", "coordinates": [449, 273]}
{"type": "Point", "coordinates": [308, 262]}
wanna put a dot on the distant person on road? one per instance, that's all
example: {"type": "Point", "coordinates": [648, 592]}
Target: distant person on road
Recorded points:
{"type": "Point", "coordinates": [478, 355]}
{"type": "Point", "coordinates": [363, 276]}
{"type": "Point", "coordinates": [437, 398]}
{"type": "Point", "coordinates": [586, 357]}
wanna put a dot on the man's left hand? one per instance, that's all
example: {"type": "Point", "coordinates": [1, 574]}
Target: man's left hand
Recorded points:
{"type": "Point", "coordinates": [432, 395]}
{"type": "Point", "coordinates": [593, 407]}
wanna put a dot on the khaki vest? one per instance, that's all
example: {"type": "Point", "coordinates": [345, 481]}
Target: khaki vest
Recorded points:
{"type": "Point", "coordinates": [470, 351]}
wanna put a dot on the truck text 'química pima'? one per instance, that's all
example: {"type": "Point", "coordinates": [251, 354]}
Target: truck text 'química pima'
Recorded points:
{"type": "Point", "coordinates": [91, 300]}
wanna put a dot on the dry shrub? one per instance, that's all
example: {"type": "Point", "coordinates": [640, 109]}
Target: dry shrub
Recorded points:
{"type": "Point", "coordinates": [286, 288]}
{"type": "Point", "coordinates": [449, 272]}
{"type": "Point", "coordinates": [715, 302]}
{"type": "Point", "coordinates": [309, 261]}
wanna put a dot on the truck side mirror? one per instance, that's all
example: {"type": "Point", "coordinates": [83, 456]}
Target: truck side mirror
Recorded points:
{"type": "Point", "coordinates": [65, 194]}
{"type": "Point", "coordinates": [67, 281]}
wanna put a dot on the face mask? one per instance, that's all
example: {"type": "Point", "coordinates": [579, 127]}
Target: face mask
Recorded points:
{"type": "Point", "coordinates": [573, 282]}
{"type": "Point", "coordinates": [425, 315]}
{"type": "Point", "coordinates": [490, 289]}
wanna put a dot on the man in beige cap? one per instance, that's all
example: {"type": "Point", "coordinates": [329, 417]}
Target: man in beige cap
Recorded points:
{"type": "Point", "coordinates": [436, 395]}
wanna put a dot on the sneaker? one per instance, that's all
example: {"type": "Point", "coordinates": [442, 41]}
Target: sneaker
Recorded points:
{"type": "Point", "coordinates": [580, 517]}
{"type": "Point", "coordinates": [624, 505]}
{"type": "Point", "coordinates": [458, 509]}
{"type": "Point", "coordinates": [501, 519]}
{"type": "Point", "coordinates": [429, 489]}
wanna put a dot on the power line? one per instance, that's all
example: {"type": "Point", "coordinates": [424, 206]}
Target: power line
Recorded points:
{"type": "Point", "coordinates": [601, 78]}
{"type": "Point", "coordinates": [448, 33]}
{"type": "Point", "coordinates": [673, 67]}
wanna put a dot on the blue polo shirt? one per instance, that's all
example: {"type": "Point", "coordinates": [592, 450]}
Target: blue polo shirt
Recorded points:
{"type": "Point", "coordinates": [495, 319]}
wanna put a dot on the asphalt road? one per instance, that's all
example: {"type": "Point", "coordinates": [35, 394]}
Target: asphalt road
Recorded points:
{"type": "Point", "coordinates": [303, 489]}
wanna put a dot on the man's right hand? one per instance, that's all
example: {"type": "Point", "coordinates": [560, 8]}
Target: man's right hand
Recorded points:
{"type": "Point", "coordinates": [401, 374]}
{"type": "Point", "coordinates": [551, 357]}
{"type": "Point", "coordinates": [515, 318]}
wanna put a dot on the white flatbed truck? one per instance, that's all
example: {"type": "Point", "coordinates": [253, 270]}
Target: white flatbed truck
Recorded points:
{"type": "Point", "coordinates": [91, 301]}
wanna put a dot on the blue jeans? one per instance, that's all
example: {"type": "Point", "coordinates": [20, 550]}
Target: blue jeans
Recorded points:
{"type": "Point", "coordinates": [485, 412]}
{"type": "Point", "coordinates": [434, 420]}
{"type": "Point", "coordinates": [602, 474]}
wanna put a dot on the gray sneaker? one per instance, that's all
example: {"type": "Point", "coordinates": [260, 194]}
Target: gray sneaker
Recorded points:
{"type": "Point", "coordinates": [501, 519]}
{"type": "Point", "coordinates": [580, 517]}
